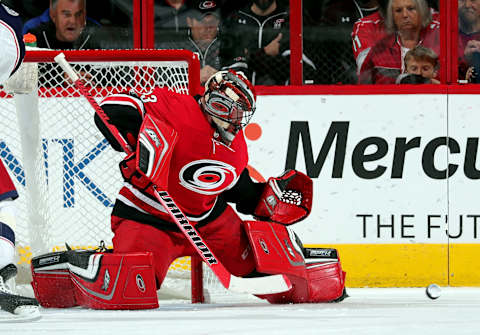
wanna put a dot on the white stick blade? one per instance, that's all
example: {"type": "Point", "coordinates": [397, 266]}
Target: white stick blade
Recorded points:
{"type": "Point", "coordinates": [22, 314]}
{"type": "Point", "coordinates": [260, 285]}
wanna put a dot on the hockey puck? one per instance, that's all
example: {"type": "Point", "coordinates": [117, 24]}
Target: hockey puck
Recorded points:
{"type": "Point", "coordinates": [433, 291]}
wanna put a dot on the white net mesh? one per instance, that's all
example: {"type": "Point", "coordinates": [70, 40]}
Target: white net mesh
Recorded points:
{"type": "Point", "coordinates": [24, 80]}
{"type": "Point", "coordinates": [64, 170]}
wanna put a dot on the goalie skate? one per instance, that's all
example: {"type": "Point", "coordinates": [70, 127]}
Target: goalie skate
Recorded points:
{"type": "Point", "coordinates": [21, 308]}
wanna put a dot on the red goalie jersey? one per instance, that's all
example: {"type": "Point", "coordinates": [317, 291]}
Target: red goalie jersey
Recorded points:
{"type": "Point", "coordinates": [201, 167]}
{"type": "Point", "coordinates": [198, 153]}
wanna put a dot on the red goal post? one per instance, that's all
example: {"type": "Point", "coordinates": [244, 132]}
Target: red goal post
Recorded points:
{"type": "Point", "coordinates": [64, 170]}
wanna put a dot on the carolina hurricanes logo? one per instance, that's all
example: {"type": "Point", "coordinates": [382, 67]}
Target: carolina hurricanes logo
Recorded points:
{"type": "Point", "coordinates": [207, 5]}
{"type": "Point", "coordinates": [207, 176]}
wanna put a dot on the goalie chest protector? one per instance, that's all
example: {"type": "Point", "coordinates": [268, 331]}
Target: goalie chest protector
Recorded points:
{"type": "Point", "coordinates": [201, 166]}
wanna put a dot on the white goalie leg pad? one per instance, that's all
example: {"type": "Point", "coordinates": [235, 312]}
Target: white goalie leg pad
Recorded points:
{"type": "Point", "coordinates": [7, 235]}
{"type": "Point", "coordinates": [8, 213]}
{"type": "Point", "coordinates": [95, 280]}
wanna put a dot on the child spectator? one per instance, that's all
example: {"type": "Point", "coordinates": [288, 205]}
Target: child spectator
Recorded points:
{"type": "Point", "coordinates": [421, 66]}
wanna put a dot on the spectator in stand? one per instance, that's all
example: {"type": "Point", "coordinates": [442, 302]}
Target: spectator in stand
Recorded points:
{"type": "Point", "coordinates": [255, 41]}
{"type": "Point", "coordinates": [409, 23]}
{"type": "Point", "coordinates": [330, 38]}
{"type": "Point", "coordinates": [469, 40]}
{"type": "Point", "coordinates": [367, 31]}
{"type": "Point", "coordinates": [346, 12]}
{"type": "Point", "coordinates": [203, 21]}
{"type": "Point", "coordinates": [170, 20]}
{"type": "Point", "coordinates": [68, 28]}
{"type": "Point", "coordinates": [45, 18]}
{"type": "Point", "coordinates": [421, 67]}
{"type": "Point", "coordinates": [370, 29]}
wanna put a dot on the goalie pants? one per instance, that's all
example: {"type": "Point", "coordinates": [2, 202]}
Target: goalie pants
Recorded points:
{"type": "Point", "coordinates": [225, 236]}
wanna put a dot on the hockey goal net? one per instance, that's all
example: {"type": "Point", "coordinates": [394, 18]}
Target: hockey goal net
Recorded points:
{"type": "Point", "coordinates": [65, 172]}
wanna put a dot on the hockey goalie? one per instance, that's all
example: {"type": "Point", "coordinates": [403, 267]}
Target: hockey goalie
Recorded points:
{"type": "Point", "coordinates": [195, 149]}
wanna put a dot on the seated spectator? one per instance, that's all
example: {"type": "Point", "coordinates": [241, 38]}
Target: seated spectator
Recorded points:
{"type": "Point", "coordinates": [367, 31]}
{"type": "Point", "coordinates": [68, 28]}
{"type": "Point", "coordinates": [330, 38]}
{"type": "Point", "coordinates": [203, 21]}
{"type": "Point", "coordinates": [409, 23]}
{"type": "Point", "coordinates": [469, 40]}
{"type": "Point", "coordinates": [421, 67]}
{"type": "Point", "coordinates": [170, 20]}
{"type": "Point", "coordinates": [44, 18]}
{"type": "Point", "coordinates": [255, 41]}
{"type": "Point", "coordinates": [346, 12]}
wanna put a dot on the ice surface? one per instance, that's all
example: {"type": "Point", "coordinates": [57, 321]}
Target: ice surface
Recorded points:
{"type": "Point", "coordinates": [369, 311]}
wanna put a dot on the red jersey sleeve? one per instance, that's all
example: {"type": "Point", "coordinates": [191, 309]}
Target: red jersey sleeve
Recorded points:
{"type": "Point", "coordinates": [366, 32]}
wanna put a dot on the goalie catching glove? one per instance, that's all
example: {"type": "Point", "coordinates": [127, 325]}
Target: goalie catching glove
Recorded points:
{"type": "Point", "coordinates": [286, 199]}
{"type": "Point", "coordinates": [149, 165]}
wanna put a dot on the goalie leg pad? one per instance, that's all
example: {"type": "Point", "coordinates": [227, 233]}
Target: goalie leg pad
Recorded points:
{"type": "Point", "coordinates": [275, 248]}
{"type": "Point", "coordinates": [95, 280]}
{"type": "Point", "coordinates": [316, 273]}
{"type": "Point", "coordinates": [325, 282]}
{"type": "Point", "coordinates": [51, 281]}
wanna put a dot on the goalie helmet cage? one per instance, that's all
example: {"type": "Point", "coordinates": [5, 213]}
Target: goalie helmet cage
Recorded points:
{"type": "Point", "coordinates": [65, 171]}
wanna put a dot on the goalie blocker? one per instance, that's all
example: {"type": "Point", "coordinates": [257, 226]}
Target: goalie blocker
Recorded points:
{"type": "Point", "coordinates": [95, 280]}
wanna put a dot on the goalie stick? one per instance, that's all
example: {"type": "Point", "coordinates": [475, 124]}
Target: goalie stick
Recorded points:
{"type": "Point", "coordinates": [259, 285]}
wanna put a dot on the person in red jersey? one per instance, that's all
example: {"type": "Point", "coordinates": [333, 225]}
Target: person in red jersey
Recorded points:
{"type": "Point", "coordinates": [208, 174]}
{"type": "Point", "coordinates": [408, 23]}
{"type": "Point", "coordinates": [366, 32]}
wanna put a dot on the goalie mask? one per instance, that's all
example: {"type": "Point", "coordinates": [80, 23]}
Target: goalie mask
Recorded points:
{"type": "Point", "coordinates": [230, 100]}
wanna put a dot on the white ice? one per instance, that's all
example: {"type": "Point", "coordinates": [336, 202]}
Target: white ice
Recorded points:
{"type": "Point", "coordinates": [369, 311]}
